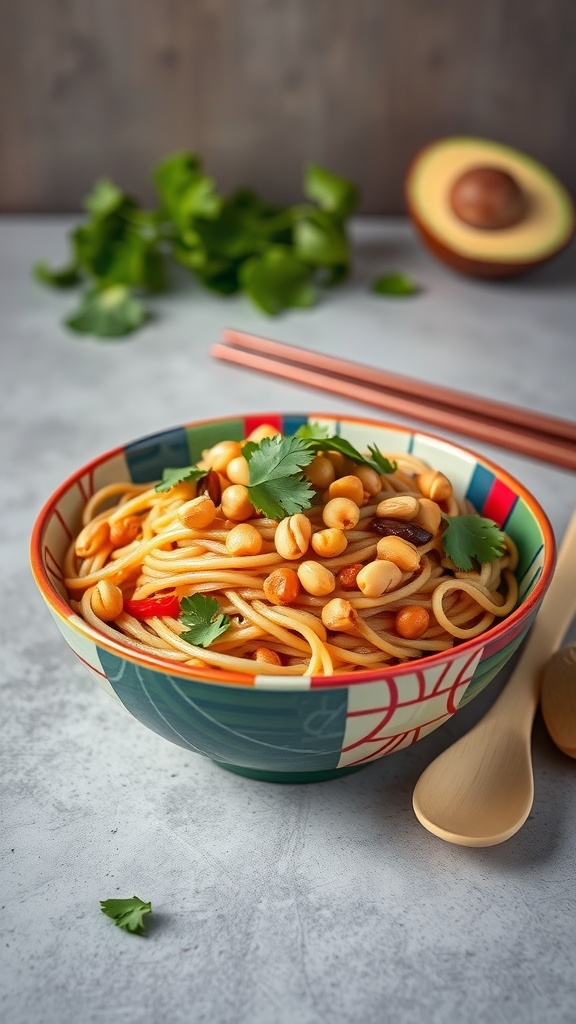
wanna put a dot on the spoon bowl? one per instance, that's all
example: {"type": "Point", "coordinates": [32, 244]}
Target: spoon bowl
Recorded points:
{"type": "Point", "coordinates": [480, 790]}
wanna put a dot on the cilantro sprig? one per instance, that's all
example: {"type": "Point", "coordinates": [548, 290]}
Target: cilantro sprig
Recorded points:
{"type": "Point", "coordinates": [277, 256]}
{"type": "Point", "coordinates": [171, 477]}
{"type": "Point", "coordinates": [204, 619]}
{"type": "Point", "coordinates": [472, 537]}
{"type": "Point", "coordinates": [318, 440]}
{"type": "Point", "coordinates": [127, 914]}
{"type": "Point", "coordinates": [277, 486]}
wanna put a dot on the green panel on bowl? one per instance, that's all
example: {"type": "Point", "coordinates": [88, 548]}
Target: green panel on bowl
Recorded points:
{"type": "Point", "coordinates": [299, 730]}
{"type": "Point", "coordinates": [207, 434]}
{"type": "Point", "coordinates": [525, 532]}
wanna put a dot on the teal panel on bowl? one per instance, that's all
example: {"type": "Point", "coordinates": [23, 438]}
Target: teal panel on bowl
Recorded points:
{"type": "Point", "coordinates": [489, 667]}
{"type": "Point", "coordinates": [280, 731]}
{"type": "Point", "coordinates": [149, 457]}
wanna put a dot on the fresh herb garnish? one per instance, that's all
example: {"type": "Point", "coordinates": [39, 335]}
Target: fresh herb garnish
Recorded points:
{"type": "Point", "coordinates": [127, 914]}
{"type": "Point", "coordinates": [470, 537]}
{"type": "Point", "coordinates": [186, 474]}
{"type": "Point", "coordinates": [277, 487]}
{"type": "Point", "coordinates": [315, 436]}
{"type": "Point", "coordinates": [110, 313]}
{"type": "Point", "coordinates": [275, 255]}
{"type": "Point", "coordinates": [394, 284]}
{"type": "Point", "coordinates": [204, 619]}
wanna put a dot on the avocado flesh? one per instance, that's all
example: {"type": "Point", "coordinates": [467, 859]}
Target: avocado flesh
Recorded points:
{"type": "Point", "coordinates": [547, 226]}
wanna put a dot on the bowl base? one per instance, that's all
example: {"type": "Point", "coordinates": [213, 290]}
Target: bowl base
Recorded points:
{"type": "Point", "coordinates": [289, 777]}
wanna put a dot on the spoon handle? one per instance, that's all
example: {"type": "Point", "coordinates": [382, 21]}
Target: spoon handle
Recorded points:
{"type": "Point", "coordinates": [522, 690]}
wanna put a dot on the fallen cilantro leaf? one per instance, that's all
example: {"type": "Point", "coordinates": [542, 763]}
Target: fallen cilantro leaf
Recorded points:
{"type": "Point", "coordinates": [110, 313]}
{"type": "Point", "coordinates": [394, 284]}
{"type": "Point", "coordinates": [66, 277]}
{"type": "Point", "coordinates": [204, 620]}
{"type": "Point", "coordinates": [277, 487]}
{"type": "Point", "coordinates": [277, 280]}
{"type": "Point", "coordinates": [171, 477]}
{"type": "Point", "coordinates": [127, 914]}
{"type": "Point", "coordinates": [470, 537]}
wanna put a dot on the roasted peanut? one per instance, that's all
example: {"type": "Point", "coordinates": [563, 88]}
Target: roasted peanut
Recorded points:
{"type": "Point", "coordinates": [244, 540]}
{"type": "Point", "coordinates": [221, 454]}
{"type": "Point", "coordinates": [342, 465]}
{"type": "Point", "coordinates": [347, 576]}
{"type": "Point", "coordinates": [281, 587]}
{"type": "Point", "coordinates": [429, 515]}
{"type": "Point", "coordinates": [236, 504]}
{"type": "Point", "coordinates": [238, 471]}
{"type": "Point", "coordinates": [412, 622]}
{"type": "Point", "coordinates": [94, 537]}
{"type": "Point", "coordinates": [264, 430]}
{"type": "Point", "coordinates": [403, 506]}
{"type": "Point", "coordinates": [292, 536]}
{"type": "Point", "coordinates": [329, 543]}
{"type": "Point", "coordinates": [399, 551]}
{"type": "Point", "coordinates": [378, 577]}
{"type": "Point", "coordinates": [369, 479]}
{"type": "Point", "coordinates": [198, 513]}
{"type": "Point", "coordinates": [339, 615]}
{"type": "Point", "coordinates": [320, 472]}
{"type": "Point", "coordinates": [316, 578]}
{"type": "Point", "coordinates": [106, 601]}
{"type": "Point", "coordinates": [124, 531]}
{"type": "Point", "coordinates": [266, 655]}
{"type": "Point", "coordinates": [347, 487]}
{"type": "Point", "coordinates": [341, 513]}
{"type": "Point", "coordinates": [433, 484]}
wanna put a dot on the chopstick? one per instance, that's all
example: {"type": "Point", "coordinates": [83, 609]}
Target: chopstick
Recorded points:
{"type": "Point", "coordinates": [537, 435]}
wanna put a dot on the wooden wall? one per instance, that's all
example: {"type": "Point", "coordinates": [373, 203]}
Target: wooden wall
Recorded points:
{"type": "Point", "coordinates": [259, 87]}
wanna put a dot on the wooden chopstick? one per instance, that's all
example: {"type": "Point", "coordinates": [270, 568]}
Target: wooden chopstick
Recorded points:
{"type": "Point", "coordinates": [413, 401]}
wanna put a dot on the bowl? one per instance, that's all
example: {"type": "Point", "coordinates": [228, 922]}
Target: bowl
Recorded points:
{"type": "Point", "coordinates": [296, 729]}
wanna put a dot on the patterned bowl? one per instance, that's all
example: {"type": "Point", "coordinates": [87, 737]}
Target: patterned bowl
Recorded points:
{"type": "Point", "coordinates": [296, 728]}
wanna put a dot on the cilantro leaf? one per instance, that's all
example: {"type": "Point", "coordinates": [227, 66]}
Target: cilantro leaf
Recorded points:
{"type": "Point", "coordinates": [204, 619]}
{"type": "Point", "coordinates": [382, 462]}
{"type": "Point", "coordinates": [395, 283]}
{"type": "Point", "coordinates": [333, 193]}
{"type": "Point", "coordinates": [320, 240]}
{"type": "Point", "coordinates": [470, 537]}
{"type": "Point", "coordinates": [339, 444]}
{"type": "Point", "coordinates": [277, 487]}
{"type": "Point", "coordinates": [66, 277]}
{"type": "Point", "coordinates": [127, 914]}
{"type": "Point", "coordinates": [108, 313]}
{"type": "Point", "coordinates": [171, 477]}
{"type": "Point", "coordinates": [277, 280]}
{"type": "Point", "coordinates": [104, 199]}
{"type": "Point", "coordinates": [312, 431]}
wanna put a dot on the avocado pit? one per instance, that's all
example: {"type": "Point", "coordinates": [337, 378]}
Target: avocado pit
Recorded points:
{"type": "Point", "coordinates": [488, 198]}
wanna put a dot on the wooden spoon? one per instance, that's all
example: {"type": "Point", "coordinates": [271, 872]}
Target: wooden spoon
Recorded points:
{"type": "Point", "coordinates": [558, 699]}
{"type": "Point", "coordinates": [480, 790]}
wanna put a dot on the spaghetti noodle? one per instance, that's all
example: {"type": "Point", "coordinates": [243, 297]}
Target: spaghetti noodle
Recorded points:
{"type": "Point", "coordinates": [357, 581]}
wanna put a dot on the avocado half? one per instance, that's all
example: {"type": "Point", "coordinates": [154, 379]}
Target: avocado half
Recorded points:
{"type": "Point", "coordinates": [451, 168]}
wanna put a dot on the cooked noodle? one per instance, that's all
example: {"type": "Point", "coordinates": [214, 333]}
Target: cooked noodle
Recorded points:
{"type": "Point", "coordinates": [136, 543]}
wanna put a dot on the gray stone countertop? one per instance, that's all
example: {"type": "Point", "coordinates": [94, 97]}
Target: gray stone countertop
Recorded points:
{"type": "Point", "coordinates": [272, 904]}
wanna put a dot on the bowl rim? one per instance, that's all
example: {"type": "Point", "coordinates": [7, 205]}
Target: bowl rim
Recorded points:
{"type": "Point", "coordinates": [225, 677]}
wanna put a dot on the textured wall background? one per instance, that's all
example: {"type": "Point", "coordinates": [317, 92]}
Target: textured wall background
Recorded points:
{"type": "Point", "coordinates": [258, 87]}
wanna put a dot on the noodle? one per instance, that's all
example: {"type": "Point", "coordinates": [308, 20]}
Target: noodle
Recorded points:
{"type": "Point", "coordinates": [139, 543]}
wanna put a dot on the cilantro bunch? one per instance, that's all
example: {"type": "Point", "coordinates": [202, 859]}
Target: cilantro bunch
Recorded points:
{"type": "Point", "coordinates": [277, 256]}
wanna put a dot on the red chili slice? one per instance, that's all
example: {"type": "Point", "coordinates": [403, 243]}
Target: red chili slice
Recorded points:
{"type": "Point", "coordinates": [148, 607]}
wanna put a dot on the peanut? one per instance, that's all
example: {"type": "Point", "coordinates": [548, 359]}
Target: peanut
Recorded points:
{"type": "Point", "coordinates": [281, 587]}
{"type": "Point", "coordinates": [266, 655]}
{"type": "Point", "coordinates": [264, 430]}
{"type": "Point", "coordinates": [329, 543]}
{"type": "Point", "coordinates": [347, 487]}
{"type": "Point", "coordinates": [403, 506]}
{"type": "Point", "coordinates": [412, 622]}
{"type": "Point", "coordinates": [198, 513]}
{"type": "Point", "coordinates": [238, 471]}
{"type": "Point", "coordinates": [378, 577]}
{"type": "Point", "coordinates": [94, 537]}
{"type": "Point", "coordinates": [429, 515]}
{"type": "Point", "coordinates": [341, 513]}
{"type": "Point", "coordinates": [244, 539]}
{"type": "Point", "coordinates": [236, 504]}
{"type": "Point", "coordinates": [339, 615]}
{"type": "Point", "coordinates": [292, 536]}
{"type": "Point", "coordinates": [369, 479]}
{"type": "Point", "coordinates": [124, 531]}
{"type": "Point", "coordinates": [401, 552]}
{"type": "Point", "coordinates": [106, 601]}
{"type": "Point", "coordinates": [316, 579]}
{"type": "Point", "coordinates": [221, 454]}
{"type": "Point", "coordinates": [433, 484]}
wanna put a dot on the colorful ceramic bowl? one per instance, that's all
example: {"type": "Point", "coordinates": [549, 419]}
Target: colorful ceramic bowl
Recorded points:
{"type": "Point", "coordinates": [295, 729]}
